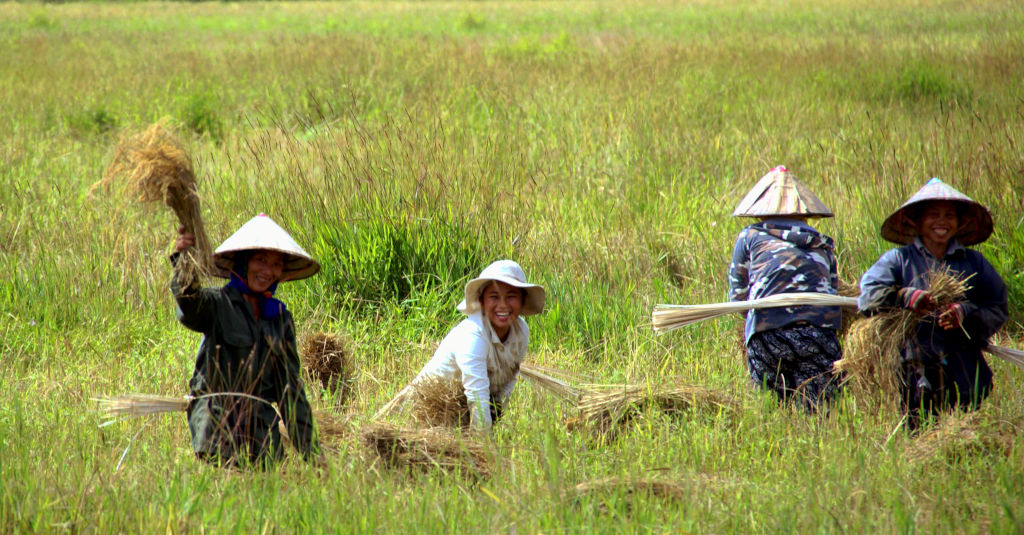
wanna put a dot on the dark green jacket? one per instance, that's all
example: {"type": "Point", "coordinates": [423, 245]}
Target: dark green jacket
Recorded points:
{"type": "Point", "coordinates": [242, 354]}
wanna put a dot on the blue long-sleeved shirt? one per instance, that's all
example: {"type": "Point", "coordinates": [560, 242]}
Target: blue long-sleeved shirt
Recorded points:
{"type": "Point", "coordinates": [984, 305]}
{"type": "Point", "coordinates": [783, 256]}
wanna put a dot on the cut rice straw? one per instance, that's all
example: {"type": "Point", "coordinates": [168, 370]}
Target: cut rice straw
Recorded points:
{"type": "Point", "coordinates": [156, 168]}
{"type": "Point", "coordinates": [670, 317]}
{"type": "Point", "coordinates": [424, 449]}
{"type": "Point", "coordinates": [129, 406]}
{"type": "Point", "coordinates": [605, 407]}
{"type": "Point", "coordinates": [959, 433]}
{"type": "Point", "coordinates": [1013, 356]}
{"type": "Point", "coordinates": [873, 345]}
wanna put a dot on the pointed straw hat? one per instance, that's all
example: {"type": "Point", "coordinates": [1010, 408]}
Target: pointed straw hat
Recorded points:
{"type": "Point", "coordinates": [262, 233]}
{"type": "Point", "coordinates": [779, 193]}
{"type": "Point", "coordinates": [975, 220]}
{"type": "Point", "coordinates": [511, 273]}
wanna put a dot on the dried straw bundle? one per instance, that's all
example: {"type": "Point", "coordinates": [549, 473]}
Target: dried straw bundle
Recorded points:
{"type": "Point", "coordinates": [439, 401]}
{"type": "Point", "coordinates": [871, 353]}
{"type": "Point", "coordinates": [630, 486]}
{"type": "Point", "coordinates": [120, 408]}
{"type": "Point", "coordinates": [604, 407]}
{"type": "Point", "coordinates": [1013, 356]}
{"type": "Point", "coordinates": [325, 359]}
{"type": "Point", "coordinates": [959, 433]}
{"type": "Point", "coordinates": [427, 448]}
{"type": "Point", "coordinates": [670, 317]}
{"type": "Point", "coordinates": [156, 168]}
{"type": "Point", "coordinates": [540, 377]}
{"type": "Point", "coordinates": [849, 313]}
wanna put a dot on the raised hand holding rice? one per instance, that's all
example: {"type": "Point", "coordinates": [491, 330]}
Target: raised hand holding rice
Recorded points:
{"type": "Point", "coordinates": [248, 351]}
{"type": "Point", "coordinates": [941, 361]}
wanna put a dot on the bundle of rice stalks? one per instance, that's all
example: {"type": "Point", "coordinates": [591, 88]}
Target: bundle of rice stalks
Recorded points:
{"type": "Point", "coordinates": [958, 434]}
{"type": "Point", "coordinates": [156, 168]}
{"type": "Point", "coordinates": [605, 407]}
{"type": "Point", "coordinates": [439, 401]}
{"type": "Point", "coordinates": [1013, 356]}
{"type": "Point", "coordinates": [849, 313]}
{"type": "Point", "coordinates": [324, 357]}
{"type": "Point", "coordinates": [543, 377]}
{"type": "Point", "coordinates": [871, 353]}
{"type": "Point", "coordinates": [425, 449]}
{"type": "Point", "coordinates": [670, 317]}
{"type": "Point", "coordinates": [630, 486]}
{"type": "Point", "coordinates": [119, 408]}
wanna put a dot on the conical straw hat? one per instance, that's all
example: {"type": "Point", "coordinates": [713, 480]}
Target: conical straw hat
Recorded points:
{"type": "Point", "coordinates": [779, 193]}
{"type": "Point", "coordinates": [509, 272]}
{"type": "Point", "coordinates": [975, 221]}
{"type": "Point", "coordinates": [262, 233]}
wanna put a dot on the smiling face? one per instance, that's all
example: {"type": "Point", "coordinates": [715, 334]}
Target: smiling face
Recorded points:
{"type": "Point", "coordinates": [937, 224]}
{"type": "Point", "coordinates": [265, 269]}
{"type": "Point", "coordinates": [501, 304]}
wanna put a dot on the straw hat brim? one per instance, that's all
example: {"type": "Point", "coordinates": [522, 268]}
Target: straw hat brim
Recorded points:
{"type": "Point", "coordinates": [975, 220]}
{"type": "Point", "coordinates": [295, 267]}
{"type": "Point", "coordinates": [780, 194]}
{"type": "Point", "coordinates": [976, 223]}
{"type": "Point", "coordinates": [261, 233]}
{"type": "Point", "coordinates": [533, 303]}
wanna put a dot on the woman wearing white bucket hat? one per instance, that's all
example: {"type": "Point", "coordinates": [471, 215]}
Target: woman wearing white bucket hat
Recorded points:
{"type": "Point", "coordinates": [247, 359]}
{"type": "Point", "coordinates": [484, 350]}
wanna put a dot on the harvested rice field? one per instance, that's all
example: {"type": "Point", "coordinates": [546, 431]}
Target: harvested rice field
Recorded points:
{"type": "Point", "coordinates": [406, 145]}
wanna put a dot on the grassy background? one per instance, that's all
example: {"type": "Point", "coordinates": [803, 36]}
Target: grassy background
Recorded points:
{"type": "Point", "coordinates": [603, 145]}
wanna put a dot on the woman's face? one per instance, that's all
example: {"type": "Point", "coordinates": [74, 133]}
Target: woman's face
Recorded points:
{"type": "Point", "coordinates": [938, 223]}
{"type": "Point", "coordinates": [501, 303]}
{"type": "Point", "coordinates": [265, 269]}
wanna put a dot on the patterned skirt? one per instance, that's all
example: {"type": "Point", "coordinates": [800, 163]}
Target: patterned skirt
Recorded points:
{"type": "Point", "coordinates": [795, 362]}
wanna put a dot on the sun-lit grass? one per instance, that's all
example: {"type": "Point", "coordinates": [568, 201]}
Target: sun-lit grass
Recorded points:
{"type": "Point", "coordinates": [603, 145]}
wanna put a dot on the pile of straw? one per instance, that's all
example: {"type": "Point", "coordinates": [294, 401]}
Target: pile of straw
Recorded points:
{"type": "Point", "coordinates": [667, 318]}
{"type": "Point", "coordinates": [959, 434]}
{"type": "Point", "coordinates": [325, 360]}
{"type": "Point", "coordinates": [439, 401]}
{"type": "Point", "coordinates": [425, 449]}
{"type": "Point", "coordinates": [605, 407]}
{"type": "Point", "coordinates": [849, 313]}
{"type": "Point", "coordinates": [156, 168]}
{"type": "Point", "coordinates": [871, 353]}
{"type": "Point", "coordinates": [630, 486]}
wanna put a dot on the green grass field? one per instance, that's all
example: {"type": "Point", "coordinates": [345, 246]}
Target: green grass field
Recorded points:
{"type": "Point", "coordinates": [603, 145]}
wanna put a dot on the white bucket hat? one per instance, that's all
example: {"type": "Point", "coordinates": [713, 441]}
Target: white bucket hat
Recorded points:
{"type": "Point", "coordinates": [779, 193]}
{"type": "Point", "coordinates": [262, 233]}
{"type": "Point", "coordinates": [510, 273]}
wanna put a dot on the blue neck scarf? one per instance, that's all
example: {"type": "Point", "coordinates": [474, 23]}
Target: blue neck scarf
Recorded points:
{"type": "Point", "coordinates": [270, 308]}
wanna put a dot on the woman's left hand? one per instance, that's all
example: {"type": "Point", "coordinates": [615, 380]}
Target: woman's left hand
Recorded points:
{"type": "Point", "coordinates": [952, 316]}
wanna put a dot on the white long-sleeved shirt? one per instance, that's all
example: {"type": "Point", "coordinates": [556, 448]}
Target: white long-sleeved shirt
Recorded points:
{"type": "Point", "coordinates": [487, 366]}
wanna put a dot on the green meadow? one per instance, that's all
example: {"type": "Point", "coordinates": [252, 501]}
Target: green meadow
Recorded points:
{"type": "Point", "coordinates": [405, 145]}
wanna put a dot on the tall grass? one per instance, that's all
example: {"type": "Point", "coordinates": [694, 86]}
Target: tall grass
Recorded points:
{"type": "Point", "coordinates": [406, 145]}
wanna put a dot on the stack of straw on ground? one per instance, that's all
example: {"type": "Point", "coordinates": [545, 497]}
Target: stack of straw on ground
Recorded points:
{"type": "Point", "coordinates": [155, 168]}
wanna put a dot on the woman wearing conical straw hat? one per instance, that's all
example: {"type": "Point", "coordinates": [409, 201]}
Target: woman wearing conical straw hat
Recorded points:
{"type": "Point", "coordinates": [247, 359]}
{"type": "Point", "coordinates": [484, 351]}
{"type": "Point", "coordinates": [790, 350]}
{"type": "Point", "coordinates": [942, 363]}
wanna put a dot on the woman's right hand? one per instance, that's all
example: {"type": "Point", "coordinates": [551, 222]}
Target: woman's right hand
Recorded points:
{"type": "Point", "coordinates": [185, 240]}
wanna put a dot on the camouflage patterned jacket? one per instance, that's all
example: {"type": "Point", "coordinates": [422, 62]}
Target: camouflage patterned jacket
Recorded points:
{"type": "Point", "coordinates": [783, 256]}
